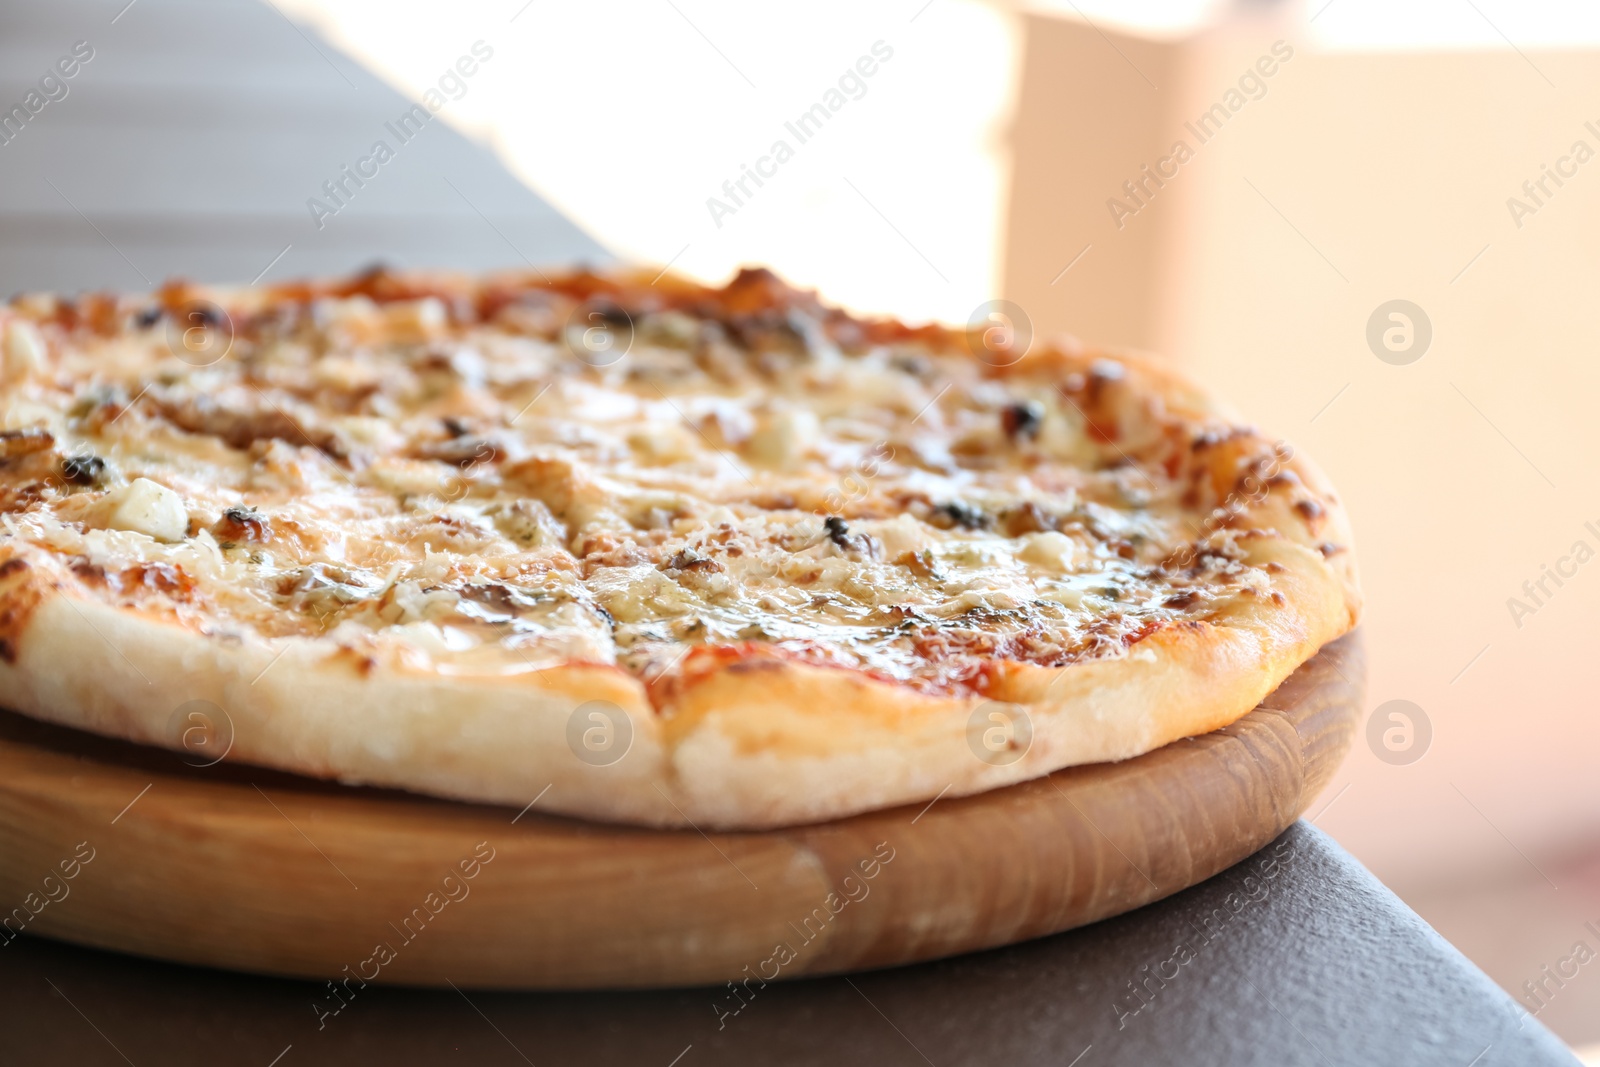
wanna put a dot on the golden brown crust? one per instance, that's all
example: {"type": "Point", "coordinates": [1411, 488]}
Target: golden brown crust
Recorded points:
{"type": "Point", "coordinates": [869, 660]}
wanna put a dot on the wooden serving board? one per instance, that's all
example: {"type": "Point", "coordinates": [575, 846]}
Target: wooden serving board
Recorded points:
{"type": "Point", "coordinates": [250, 869]}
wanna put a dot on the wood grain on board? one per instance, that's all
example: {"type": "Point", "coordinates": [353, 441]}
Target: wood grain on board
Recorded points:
{"type": "Point", "coordinates": [256, 870]}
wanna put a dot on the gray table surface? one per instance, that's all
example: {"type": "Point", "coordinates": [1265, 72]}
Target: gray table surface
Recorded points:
{"type": "Point", "coordinates": [1307, 960]}
{"type": "Point", "coordinates": [187, 147]}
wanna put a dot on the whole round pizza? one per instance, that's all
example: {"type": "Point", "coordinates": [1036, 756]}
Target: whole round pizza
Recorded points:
{"type": "Point", "coordinates": [635, 548]}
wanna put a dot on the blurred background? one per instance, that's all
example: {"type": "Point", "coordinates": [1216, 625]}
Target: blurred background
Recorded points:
{"type": "Point", "coordinates": [1248, 189]}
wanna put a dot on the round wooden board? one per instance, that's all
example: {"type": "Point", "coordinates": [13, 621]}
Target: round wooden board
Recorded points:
{"type": "Point", "coordinates": [250, 869]}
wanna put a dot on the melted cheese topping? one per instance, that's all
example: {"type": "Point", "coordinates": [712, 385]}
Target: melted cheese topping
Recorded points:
{"type": "Point", "coordinates": [526, 474]}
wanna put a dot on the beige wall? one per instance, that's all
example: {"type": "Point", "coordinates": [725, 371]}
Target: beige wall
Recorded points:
{"type": "Point", "coordinates": [1354, 180]}
{"type": "Point", "coordinates": [1084, 115]}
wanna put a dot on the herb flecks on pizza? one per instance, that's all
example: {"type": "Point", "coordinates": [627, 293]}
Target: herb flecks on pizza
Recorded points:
{"type": "Point", "coordinates": [431, 532]}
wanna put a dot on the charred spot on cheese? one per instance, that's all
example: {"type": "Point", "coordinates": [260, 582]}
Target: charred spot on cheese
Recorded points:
{"type": "Point", "coordinates": [501, 597]}
{"type": "Point", "coordinates": [323, 591]}
{"type": "Point", "coordinates": [1022, 420]}
{"type": "Point", "coordinates": [19, 598]}
{"type": "Point", "coordinates": [25, 441]}
{"type": "Point", "coordinates": [462, 450]}
{"type": "Point", "coordinates": [687, 559]}
{"type": "Point", "coordinates": [603, 309]}
{"type": "Point", "coordinates": [159, 577]}
{"type": "Point", "coordinates": [89, 572]}
{"type": "Point", "coordinates": [199, 314]}
{"type": "Point", "coordinates": [363, 663]}
{"type": "Point", "coordinates": [1025, 518]}
{"type": "Point", "coordinates": [1104, 372]}
{"type": "Point", "coordinates": [241, 427]}
{"type": "Point", "coordinates": [240, 523]}
{"type": "Point", "coordinates": [83, 469]}
{"type": "Point", "coordinates": [955, 513]}
{"type": "Point", "coordinates": [922, 564]}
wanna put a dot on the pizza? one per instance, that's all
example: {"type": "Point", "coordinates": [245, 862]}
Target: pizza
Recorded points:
{"type": "Point", "coordinates": [636, 548]}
